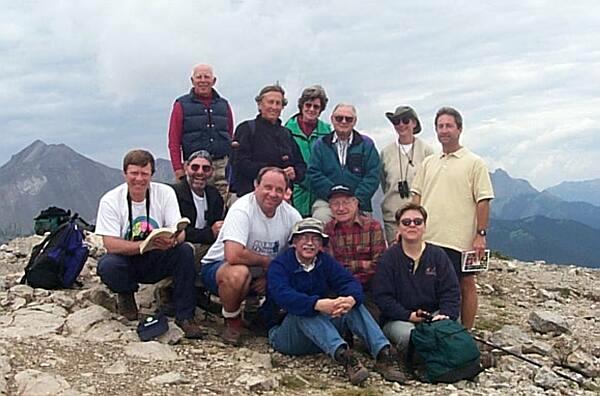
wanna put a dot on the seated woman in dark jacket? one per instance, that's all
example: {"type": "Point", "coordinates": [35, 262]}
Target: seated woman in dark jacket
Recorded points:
{"type": "Point", "coordinates": [413, 276]}
{"type": "Point", "coordinates": [263, 142]}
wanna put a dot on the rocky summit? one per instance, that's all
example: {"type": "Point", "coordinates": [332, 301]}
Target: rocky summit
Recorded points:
{"type": "Point", "coordinates": [72, 342]}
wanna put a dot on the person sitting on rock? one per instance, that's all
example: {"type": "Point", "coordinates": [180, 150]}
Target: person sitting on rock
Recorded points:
{"type": "Point", "coordinates": [413, 278]}
{"type": "Point", "coordinates": [126, 216]}
{"type": "Point", "coordinates": [302, 281]}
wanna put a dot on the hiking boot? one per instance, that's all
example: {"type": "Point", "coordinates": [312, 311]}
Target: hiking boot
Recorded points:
{"type": "Point", "coordinates": [126, 306]}
{"type": "Point", "coordinates": [389, 365]}
{"type": "Point", "coordinates": [355, 371]}
{"type": "Point", "coordinates": [190, 329]}
{"type": "Point", "coordinates": [233, 331]}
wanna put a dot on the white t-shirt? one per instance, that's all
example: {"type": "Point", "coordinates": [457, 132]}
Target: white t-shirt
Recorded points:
{"type": "Point", "coordinates": [200, 204]}
{"type": "Point", "coordinates": [113, 214]}
{"type": "Point", "coordinates": [246, 224]}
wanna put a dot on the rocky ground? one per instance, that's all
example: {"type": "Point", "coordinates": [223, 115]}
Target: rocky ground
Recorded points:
{"type": "Point", "coordinates": [71, 342]}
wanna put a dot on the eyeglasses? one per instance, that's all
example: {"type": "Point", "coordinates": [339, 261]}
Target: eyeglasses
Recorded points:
{"type": "Point", "coordinates": [205, 168]}
{"type": "Point", "coordinates": [340, 118]}
{"type": "Point", "coordinates": [404, 120]}
{"type": "Point", "coordinates": [307, 237]}
{"type": "Point", "coordinates": [309, 106]}
{"type": "Point", "coordinates": [407, 222]}
{"type": "Point", "coordinates": [341, 203]}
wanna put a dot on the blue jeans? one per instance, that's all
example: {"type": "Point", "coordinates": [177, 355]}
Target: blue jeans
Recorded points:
{"type": "Point", "coordinates": [123, 273]}
{"type": "Point", "coordinates": [305, 335]}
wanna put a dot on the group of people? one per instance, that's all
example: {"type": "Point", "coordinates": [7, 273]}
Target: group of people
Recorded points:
{"type": "Point", "coordinates": [285, 211]}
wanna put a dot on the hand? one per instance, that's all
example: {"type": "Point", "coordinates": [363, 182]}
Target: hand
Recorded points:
{"type": "Point", "coordinates": [479, 246]}
{"type": "Point", "coordinates": [216, 227]}
{"type": "Point", "coordinates": [290, 172]}
{"type": "Point", "coordinates": [343, 306]}
{"type": "Point", "coordinates": [165, 243]}
{"type": "Point", "coordinates": [259, 285]}
{"type": "Point", "coordinates": [439, 317]}
{"type": "Point", "coordinates": [179, 173]}
{"type": "Point", "coordinates": [326, 305]}
{"type": "Point", "coordinates": [415, 318]}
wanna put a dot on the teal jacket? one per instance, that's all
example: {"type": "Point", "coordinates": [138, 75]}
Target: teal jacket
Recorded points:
{"type": "Point", "coordinates": [361, 172]}
{"type": "Point", "coordinates": [303, 197]}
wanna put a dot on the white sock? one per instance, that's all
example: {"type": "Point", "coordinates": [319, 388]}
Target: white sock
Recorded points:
{"type": "Point", "coordinates": [231, 315]}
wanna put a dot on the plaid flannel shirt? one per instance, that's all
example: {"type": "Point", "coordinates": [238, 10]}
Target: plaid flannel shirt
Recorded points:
{"type": "Point", "coordinates": [357, 246]}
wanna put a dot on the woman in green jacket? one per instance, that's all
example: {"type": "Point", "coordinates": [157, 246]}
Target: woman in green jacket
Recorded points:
{"type": "Point", "coordinates": [306, 129]}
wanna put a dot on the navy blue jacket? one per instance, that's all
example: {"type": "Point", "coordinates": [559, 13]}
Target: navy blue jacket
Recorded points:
{"type": "Point", "coordinates": [398, 292]}
{"type": "Point", "coordinates": [297, 291]}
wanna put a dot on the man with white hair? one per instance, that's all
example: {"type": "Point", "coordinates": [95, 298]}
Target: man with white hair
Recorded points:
{"type": "Point", "coordinates": [201, 120]}
{"type": "Point", "coordinates": [343, 157]}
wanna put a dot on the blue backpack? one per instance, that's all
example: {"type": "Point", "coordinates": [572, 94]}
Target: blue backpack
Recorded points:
{"type": "Point", "coordinates": [57, 261]}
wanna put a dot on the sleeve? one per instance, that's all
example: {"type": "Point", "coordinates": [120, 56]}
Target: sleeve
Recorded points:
{"type": "Point", "coordinates": [230, 120]}
{"type": "Point", "coordinates": [319, 183]}
{"type": "Point", "coordinates": [370, 181]}
{"type": "Point", "coordinates": [384, 290]}
{"type": "Point", "coordinates": [236, 226]}
{"type": "Point", "coordinates": [383, 173]}
{"type": "Point", "coordinates": [448, 291]}
{"type": "Point", "coordinates": [282, 292]}
{"type": "Point", "coordinates": [481, 181]}
{"type": "Point", "coordinates": [417, 183]}
{"type": "Point", "coordinates": [170, 206]}
{"type": "Point", "coordinates": [245, 163]}
{"type": "Point", "coordinates": [341, 280]}
{"type": "Point", "coordinates": [175, 134]}
{"type": "Point", "coordinates": [107, 221]}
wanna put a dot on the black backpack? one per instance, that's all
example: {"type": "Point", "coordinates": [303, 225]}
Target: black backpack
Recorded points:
{"type": "Point", "coordinates": [57, 261]}
{"type": "Point", "coordinates": [50, 219]}
{"type": "Point", "coordinates": [447, 351]}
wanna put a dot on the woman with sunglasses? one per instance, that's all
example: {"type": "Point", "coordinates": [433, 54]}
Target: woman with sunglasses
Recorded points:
{"type": "Point", "coordinates": [413, 280]}
{"type": "Point", "coordinates": [306, 128]}
{"type": "Point", "coordinates": [399, 162]}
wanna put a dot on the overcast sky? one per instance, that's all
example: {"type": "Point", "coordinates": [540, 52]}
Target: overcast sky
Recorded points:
{"type": "Point", "coordinates": [101, 76]}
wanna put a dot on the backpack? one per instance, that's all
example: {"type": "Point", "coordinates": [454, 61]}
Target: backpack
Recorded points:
{"type": "Point", "coordinates": [448, 351]}
{"type": "Point", "coordinates": [50, 219]}
{"type": "Point", "coordinates": [57, 261]}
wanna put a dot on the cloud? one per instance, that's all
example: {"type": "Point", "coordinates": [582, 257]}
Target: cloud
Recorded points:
{"type": "Point", "coordinates": [102, 76]}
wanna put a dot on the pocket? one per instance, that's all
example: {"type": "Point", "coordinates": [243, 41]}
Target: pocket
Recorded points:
{"type": "Point", "coordinates": [354, 163]}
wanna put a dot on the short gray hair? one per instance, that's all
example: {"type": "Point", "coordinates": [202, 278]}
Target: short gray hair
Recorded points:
{"type": "Point", "coordinates": [200, 154]}
{"type": "Point", "coordinates": [311, 93]}
{"type": "Point", "coordinates": [337, 106]}
{"type": "Point", "coordinates": [271, 88]}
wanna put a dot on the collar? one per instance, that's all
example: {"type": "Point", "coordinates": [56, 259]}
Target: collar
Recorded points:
{"type": "Point", "coordinates": [335, 138]}
{"type": "Point", "coordinates": [358, 219]}
{"type": "Point", "coordinates": [263, 121]}
{"type": "Point", "coordinates": [461, 152]}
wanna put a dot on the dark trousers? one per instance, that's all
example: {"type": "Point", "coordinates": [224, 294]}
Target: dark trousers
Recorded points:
{"type": "Point", "coordinates": [122, 274]}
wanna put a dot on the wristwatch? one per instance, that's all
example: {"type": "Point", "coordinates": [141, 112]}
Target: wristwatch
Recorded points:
{"type": "Point", "coordinates": [482, 232]}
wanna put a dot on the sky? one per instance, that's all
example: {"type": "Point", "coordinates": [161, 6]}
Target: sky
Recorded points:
{"type": "Point", "coordinates": [101, 76]}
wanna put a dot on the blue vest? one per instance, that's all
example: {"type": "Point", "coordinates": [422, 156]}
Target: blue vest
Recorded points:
{"type": "Point", "coordinates": [205, 128]}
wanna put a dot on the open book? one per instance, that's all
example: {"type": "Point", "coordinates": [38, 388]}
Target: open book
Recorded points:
{"type": "Point", "coordinates": [470, 263]}
{"type": "Point", "coordinates": [167, 232]}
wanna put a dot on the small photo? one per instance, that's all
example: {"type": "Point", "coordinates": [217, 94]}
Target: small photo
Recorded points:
{"type": "Point", "coordinates": [470, 263]}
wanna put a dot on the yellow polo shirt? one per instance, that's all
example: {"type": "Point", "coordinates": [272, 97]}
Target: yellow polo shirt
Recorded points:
{"type": "Point", "coordinates": [450, 187]}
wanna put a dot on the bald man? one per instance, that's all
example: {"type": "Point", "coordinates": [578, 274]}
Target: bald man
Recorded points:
{"type": "Point", "coordinates": [201, 120]}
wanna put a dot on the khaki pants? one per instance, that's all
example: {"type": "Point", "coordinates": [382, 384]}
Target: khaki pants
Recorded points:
{"type": "Point", "coordinates": [218, 179]}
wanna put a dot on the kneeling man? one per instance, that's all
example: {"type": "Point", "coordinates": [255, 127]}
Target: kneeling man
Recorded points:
{"type": "Point", "coordinates": [302, 281]}
{"type": "Point", "coordinates": [126, 216]}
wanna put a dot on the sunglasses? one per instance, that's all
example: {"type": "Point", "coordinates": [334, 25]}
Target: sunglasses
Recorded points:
{"type": "Point", "coordinates": [340, 118]}
{"type": "Point", "coordinates": [407, 222]}
{"type": "Point", "coordinates": [404, 120]}
{"type": "Point", "coordinates": [205, 168]}
{"type": "Point", "coordinates": [315, 106]}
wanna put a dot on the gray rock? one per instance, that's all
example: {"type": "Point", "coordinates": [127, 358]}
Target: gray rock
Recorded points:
{"type": "Point", "coordinates": [116, 368]}
{"type": "Point", "coordinates": [170, 378]}
{"type": "Point", "coordinates": [537, 347]}
{"type": "Point", "coordinates": [34, 322]}
{"type": "Point", "coordinates": [546, 378]}
{"type": "Point", "coordinates": [23, 291]}
{"type": "Point", "coordinates": [173, 336]}
{"type": "Point", "coordinates": [108, 331]}
{"type": "Point", "coordinates": [261, 360]}
{"type": "Point", "coordinates": [510, 335]}
{"type": "Point", "coordinates": [151, 350]}
{"type": "Point", "coordinates": [36, 383]}
{"type": "Point", "coordinates": [100, 295]}
{"type": "Point", "coordinates": [547, 322]}
{"type": "Point", "coordinates": [63, 299]}
{"type": "Point", "coordinates": [257, 382]}
{"type": "Point", "coordinates": [81, 321]}
{"type": "Point", "coordinates": [4, 370]}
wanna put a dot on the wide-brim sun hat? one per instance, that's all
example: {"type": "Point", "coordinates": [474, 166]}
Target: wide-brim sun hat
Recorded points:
{"type": "Point", "coordinates": [404, 111]}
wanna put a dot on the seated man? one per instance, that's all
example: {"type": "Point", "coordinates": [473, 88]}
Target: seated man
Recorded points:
{"type": "Point", "coordinates": [356, 240]}
{"type": "Point", "coordinates": [302, 282]}
{"type": "Point", "coordinates": [126, 215]}
{"type": "Point", "coordinates": [256, 229]}
{"type": "Point", "coordinates": [413, 278]}
{"type": "Point", "coordinates": [200, 202]}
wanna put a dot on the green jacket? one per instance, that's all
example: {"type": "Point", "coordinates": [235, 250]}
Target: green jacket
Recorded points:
{"type": "Point", "coordinates": [303, 197]}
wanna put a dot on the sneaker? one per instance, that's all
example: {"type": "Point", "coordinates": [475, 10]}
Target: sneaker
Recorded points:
{"type": "Point", "coordinates": [389, 366]}
{"type": "Point", "coordinates": [233, 331]}
{"type": "Point", "coordinates": [190, 329]}
{"type": "Point", "coordinates": [355, 371]}
{"type": "Point", "coordinates": [126, 306]}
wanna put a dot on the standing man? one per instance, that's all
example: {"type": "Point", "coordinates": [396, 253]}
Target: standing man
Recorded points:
{"type": "Point", "coordinates": [126, 216]}
{"type": "Point", "coordinates": [455, 189]}
{"type": "Point", "coordinates": [343, 157]}
{"type": "Point", "coordinates": [355, 240]}
{"type": "Point", "coordinates": [200, 203]}
{"type": "Point", "coordinates": [201, 120]}
{"type": "Point", "coordinates": [256, 229]}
